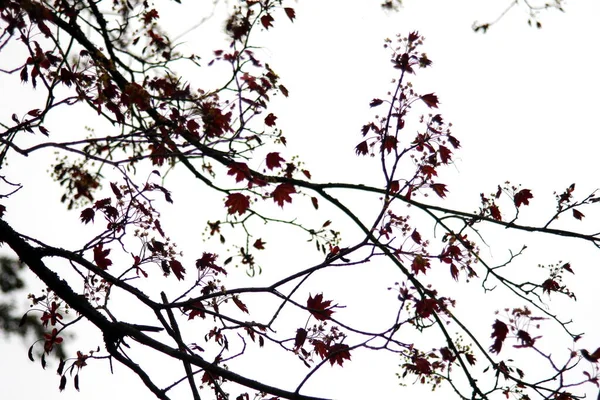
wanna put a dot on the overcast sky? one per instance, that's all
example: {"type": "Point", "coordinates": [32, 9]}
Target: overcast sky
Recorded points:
{"type": "Point", "coordinates": [522, 101]}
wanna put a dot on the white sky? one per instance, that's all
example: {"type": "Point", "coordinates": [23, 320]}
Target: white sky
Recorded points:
{"type": "Point", "coordinates": [523, 103]}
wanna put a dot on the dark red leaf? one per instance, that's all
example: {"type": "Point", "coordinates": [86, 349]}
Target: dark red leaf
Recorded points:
{"type": "Point", "coordinates": [523, 197]}
{"type": "Point", "coordinates": [445, 154]}
{"type": "Point", "coordinates": [500, 330]}
{"type": "Point", "coordinates": [274, 160]}
{"type": "Point", "coordinates": [270, 119]}
{"type": "Point", "coordinates": [420, 264]}
{"type": "Point", "coordinates": [240, 170]}
{"type": "Point", "coordinates": [439, 189]}
{"type": "Point", "coordinates": [87, 215]}
{"type": "Point", "coordinates": [259, 244]}
{"type": "Point", "coordinates": [267, 21]}
{"type": "Point", "coordinates": [177, 269]}
{"type": "Point", "coordinates": [426, 307]}
{"type": "Point", "coordinates": [389, 143]}
{"type": "Point", "coordinates": [237, 202]}
{"type": "Point", "coordinates": [376, 102]}
{"type": "Point", "coordinates": [315, 202]}
{"type": "Point", "coordinates": [300, 338]}
{"type": "Point", "coordinates": [495, 212]}
{"type": "Point", "coordinates": [338, 353]}
{"type": "Point", "coordinates": [578, 215]}
{"type": "Point", "coordinates": [100, 257]}
{"type": "Point", "coordinates": [240, 305]}
{"type": "Point", "coordinates": [284, 90]}
{"type": "Point", "coordinates": [290, 12]}
{"type": "Point", "coordinates": [362, 148]}
{"type": "Point", "coordinates": [567, 266]}
{"type": "Point", "coordinates": [320, 309]}
{"type": "Point", "coordinates": [430, 99]}
{"type": "Point", "coordinates": [281, 194]}
{"type": "Point", "coordinates": [416, 236]}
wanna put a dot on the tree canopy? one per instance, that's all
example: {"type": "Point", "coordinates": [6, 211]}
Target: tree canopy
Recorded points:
{"type": "Point", "coordinates": [200, 136]}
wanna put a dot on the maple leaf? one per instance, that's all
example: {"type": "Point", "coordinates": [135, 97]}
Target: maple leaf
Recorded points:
{"type": "Point", "coordinates": [177, 269]}
{"type": "Point", "coordinates": [416, 236]}
{"type": "Point", "coordinates": [567, 266]}
{"type": "Point", "coordinates": [445, 154]}
{"type": "Point", "coordinates": [315, 202]}
{"type": "Point", "coordinates": [338, 353]}
{"type": "Point", "coordinates": [578, 214]}
{"type": "Point", "coordinates": [431, 100]}
{"type": "Point", "coordinates": [376, 102]}
{"type": "Point", "coordinates": [495, 212]}
{"type": "Point", "coordinates": [301, 334]}
{"type": "Point", "coordinates": [426, 307]}
{"type": "Point", "coordinates": [550, 285]}
{"type": "Point", "coordinates": [320, 348]}
{"type": "Point", "coordinates": [284, 90]}
{"type": "Point", "coordinates": [237, 202]}
{"type": "Point", "coordinates": [362, 148]}
{"type": "Point", "coordinates": [270, 119]}
{"type": "Point", "coordinates": [208, 261]}
{"type": "Point", "coordinates": [290, 12]}
{"type": "Point", "coordinates": [240, 170]}
{"type": "Point", "coordinates": [428, 171]}
{"type": "Point", "coordinates": [240, 305]}
{"type": "Point", "coordinates": [389, 143]}
{"type": "Point", "coordinates": [523, 197]}
{"type": "Point", "coordinates": [594, 357]}
{"type": "Point", "coordinates": [282, 193]}
{"type": "Point", "coordinates": [420, 264]}
{"type": "Point", "coordinates": [259, 244]}
{"type": "Point", "coordinates": [454, 271]}
{"type": "Point", "coordinates": [439, 189]}
{"type": "Point", "coordinates": [320, 309]}
{"type": "Point", "coordinates": [267, 21]}
{"type": "Point", "coordinates": [100, 257]}
{"type": "Point", "coordinates": [274, 160]}
{"type": "Point", "coordinates": [500, 330]}
{"type": "Point", "coordinates": [87, 215]}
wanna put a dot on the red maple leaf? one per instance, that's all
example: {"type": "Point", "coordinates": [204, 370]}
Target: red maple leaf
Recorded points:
{"type": "Point", "coordinates": [439, 189]}
{"type": "Point", "coordinates": [301, 334]}
{"type": "Point", "coordinates": [523, 197]}
{"type": "Point", "coordinates": [495, 212]}
{"type": "Point", "coordinates": [362, 148]}
{"type": "Point", "coordinates": [445, 154]}
{"type": "Point", "coordinates": [267, 21]}
{"type": "Point", "coordinates": [389, 143]}
{"type": "Point", "coordinates": [240, 305]}
{"type": "Point", "coordinates": [259, 244]}
{"type": "Point", "coordinates": [426, 307]}
{"type": "Point", "coordinates": [430, 99]}
{"type": "Point", "coordinates": [240, 170]}
{"type": "Point", "coordinates": [338, 353]}
{"type": "Point", "coordinates": [274, 160]}
{"type": "Point", "coordinates": [177, 269]}
{"type": "Point", "coordinates": [416, 236]}
{"type": "Point", "coordinates": [208, 261]}
{"type": "Point", "coordinates": [500, 330]}
{"type": "Point", "coordinates": [87, 215]}
{"type": "Point", "coordinates": [100, 257]}
{"type": "Point", "coordinates": [578, 214]}
{"type": "Point", "coordinates": [282, 193]}
{"type": "Point", "coordinates": [376, 102]}
{"type": "Point", "coordinates": [320, 309]}
{"type": "Point", "coordinates": [270, 119]}
{"type": "Point", "coordinates": [290, 12]}
{"type": "Point", "coordinates": [420, 264]}
{"type": "Point", "coordinates": [320, 348]}
{"type": "Point", "coordinates": [237, 202]}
